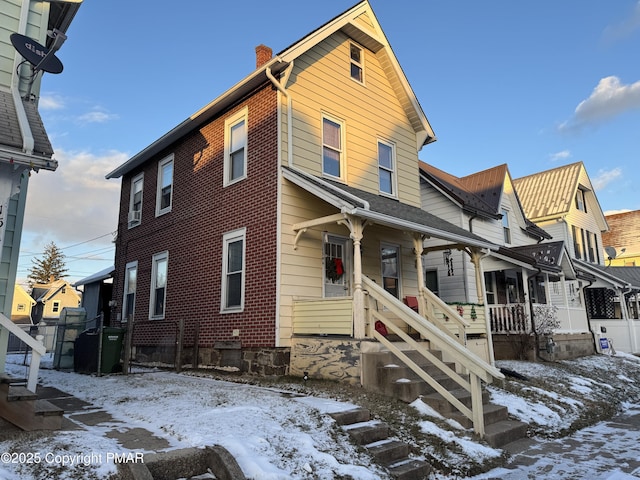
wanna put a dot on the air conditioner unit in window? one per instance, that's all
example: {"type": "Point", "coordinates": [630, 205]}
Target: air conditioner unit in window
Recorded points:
{"type": "Point", "coordinates": [134, 217]}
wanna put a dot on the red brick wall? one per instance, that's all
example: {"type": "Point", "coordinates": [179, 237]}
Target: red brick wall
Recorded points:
{"type": "Point", "coordinates": [202, 212]}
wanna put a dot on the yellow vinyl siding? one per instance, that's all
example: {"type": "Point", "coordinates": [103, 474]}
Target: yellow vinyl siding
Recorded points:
{"type": "Point", "coordinates": [320, 84]}
{"type": "Point", "coordinates": [328, 316]}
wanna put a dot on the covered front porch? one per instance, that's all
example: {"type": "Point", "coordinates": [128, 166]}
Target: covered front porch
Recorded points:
{"type": "Point", "coordinates": [613, 305]}
{"type": "Point", "coordinates": [371, 295]}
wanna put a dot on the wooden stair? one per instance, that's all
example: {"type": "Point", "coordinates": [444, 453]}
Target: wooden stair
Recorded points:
{"type": "Point", "coordinates": [387, 452]}
{"type": "Point", "coordinates": [22, 408]}
{"type": "Point", "coordinates": [384, 373]}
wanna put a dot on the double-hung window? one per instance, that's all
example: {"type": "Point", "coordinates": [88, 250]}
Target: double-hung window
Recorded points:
{"type": "Point", "coordinates": [158, 296]}
{"type": "Point", "coordinates": [357, 62]}
{"type": "Point", "coordinates": [135, 201]}
{"type": "Point", "coordinates": [332, 151]}
{"type": "Point", "coordinates": [130, 283]}
{"type": "Point", "coordinates": [235, 147]}
{"type": "Point", "coordinates": [386, 168]}
{"type": "Point", "coordinates": [506, 229]}
{"type": "Point", "coordinates": [233, 271]}
{"type": "Point", "coordinates": [581, 203]}
{"type": "Point", "coordinates": [165, 185]}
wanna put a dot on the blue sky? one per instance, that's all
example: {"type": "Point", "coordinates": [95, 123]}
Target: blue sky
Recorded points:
{"type": "Point", "coordinates": [535, 85]}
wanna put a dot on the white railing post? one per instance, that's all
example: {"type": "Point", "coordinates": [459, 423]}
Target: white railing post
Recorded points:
{"type": "Point", "coordinates": [37, 349]}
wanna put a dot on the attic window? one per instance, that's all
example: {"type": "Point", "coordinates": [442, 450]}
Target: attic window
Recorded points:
{"type": "Point", "coordinates": [580, 201]}
{"type": "Point", "coordinates": [357, 69]}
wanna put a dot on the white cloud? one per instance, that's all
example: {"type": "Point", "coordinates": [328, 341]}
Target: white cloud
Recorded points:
{"type": "Point", "coordinates": [608, 99]}
{"type": "Point", "coordinates": [605, 177]}
{"type": "Point", "coordinates": [51, 102]}
{"type": "Point", "coordinates": [625, 28]}
{"type": "Point", "coordinates": [97, 116]}
{"type": "Point", "coordinates": [74, 203]}
{"type": "Point", "coordinates": [563, 155]}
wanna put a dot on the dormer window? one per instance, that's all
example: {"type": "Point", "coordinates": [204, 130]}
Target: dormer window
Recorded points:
{"type": "Point", "coordinates": [357, 63]}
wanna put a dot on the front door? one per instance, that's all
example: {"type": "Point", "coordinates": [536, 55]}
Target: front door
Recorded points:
{"type": "Point", "coordinates": [336, 266]}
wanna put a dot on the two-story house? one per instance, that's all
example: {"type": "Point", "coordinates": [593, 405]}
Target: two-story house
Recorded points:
{"type": "Point", "coordinates": [515, 280]}
{"type": "Point", "coordinates": [50, 298]}
{"type": "Point", "coordinates": [563, 202]}
{"type": "Point", "coordinates": [279, 229]}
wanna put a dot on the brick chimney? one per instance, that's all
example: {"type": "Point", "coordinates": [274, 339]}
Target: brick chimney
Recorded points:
{"type": "Point", "coordinates": [263, 55]}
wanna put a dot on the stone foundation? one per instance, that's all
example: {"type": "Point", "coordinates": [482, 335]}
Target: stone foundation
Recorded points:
{"type": "Point", "coordinates": [329, 358]}
{"type": "Point", "coordinates": [522, 347]}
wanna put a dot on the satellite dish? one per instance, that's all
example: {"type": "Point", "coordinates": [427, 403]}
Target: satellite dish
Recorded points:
{"type": "Point", "coordinates": [37, 55]}
{"type": "Point", "coordinates": [611, 252]}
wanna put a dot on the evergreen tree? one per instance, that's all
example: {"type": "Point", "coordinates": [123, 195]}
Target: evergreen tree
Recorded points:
{"type": "Point", "coordinates": [50, 267]}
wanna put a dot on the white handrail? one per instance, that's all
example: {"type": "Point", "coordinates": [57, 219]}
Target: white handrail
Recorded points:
{"type": "Point", "coordinates": [478, 369]}
{"type": "Point", "coordinates": [37, 350]}
{"type": "Point", "coordinates": [431, 301]}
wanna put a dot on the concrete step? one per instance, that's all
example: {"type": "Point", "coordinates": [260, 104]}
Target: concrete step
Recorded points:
{"type": "Point", "coordinates": [388, 451]}
{"type": "Point", "coordinates": [17, 393]}
{"type": "Point", "coordinates": [367, 432]}
{"type": "Point", "coordinates": [349, 417]}
{"type": "Point", "coordinates": [410, 469]}
{"type": "Point", "coordinates": [504, 432]}
{"type": "Point", "coordinates": [492, 414]}
{"type": "Point", "coordinates": [442, 405]}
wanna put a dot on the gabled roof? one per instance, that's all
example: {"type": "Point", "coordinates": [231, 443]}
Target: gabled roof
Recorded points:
{"type": "Point", "coordinates": [479, 193]}
{"type": "Point", "coordinates": [44, 292]}
{"type": "Point", "coordinates": [550, 257]}
{"type": "Point", "coordinates": [383, 210]}
{"type": "Point", "coordinates": [551, 194]}
{"type": "Point", "coordinates": [453, 187]}
{"type": "Point", "coordinates": [359, 23]}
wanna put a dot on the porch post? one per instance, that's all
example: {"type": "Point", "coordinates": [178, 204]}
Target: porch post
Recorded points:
{"type": "Point", "coordinates": [476, 259]}
{"type": "Point", "coordinates": [566, 299]}
{"type": "Point", "coordinates": [418, 247]}
{"type": "Point", "coordinates": [527, 295]}
{"type": "Point", "coordinates": [356, 227]}
{"type": "Point", "coordinates": [627, 317]}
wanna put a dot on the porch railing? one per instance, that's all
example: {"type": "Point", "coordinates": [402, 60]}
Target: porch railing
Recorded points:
{"type": "Point", "coordinates": [511, 318]}
{"type": "Point", "coordinates": [478, 370]}
{"type": "Point", "coordinates": [37, 349]}
{"type": "Point", "coordinates": [434, 306]}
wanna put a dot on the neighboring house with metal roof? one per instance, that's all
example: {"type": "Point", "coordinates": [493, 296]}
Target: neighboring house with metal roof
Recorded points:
{"type": "Point", "coordinates": [517, 280]}
{"type": "Point", "coordinates": [292, 202]}
{"type": "Point", "coordinates": [622, 241]}
{"type": "Point", "coordinates": [563, 202]}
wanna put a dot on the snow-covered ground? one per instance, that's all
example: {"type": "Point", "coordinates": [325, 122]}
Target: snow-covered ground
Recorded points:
{"type": "Point", "coordinates": [278, 433]}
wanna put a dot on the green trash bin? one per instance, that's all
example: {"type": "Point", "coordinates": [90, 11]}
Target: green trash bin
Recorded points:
{"type": "Point", "coordinates": [111, 349]}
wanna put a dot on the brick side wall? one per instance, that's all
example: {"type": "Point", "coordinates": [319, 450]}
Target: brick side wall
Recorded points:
{"type": "Point", "coordinates": [202, 212]}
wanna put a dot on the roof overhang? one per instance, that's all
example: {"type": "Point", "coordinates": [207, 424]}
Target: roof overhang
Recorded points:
{"type": "Point", "coordinates": [604, 277]}
{"type": "Point", "coordinates": [350, 204]}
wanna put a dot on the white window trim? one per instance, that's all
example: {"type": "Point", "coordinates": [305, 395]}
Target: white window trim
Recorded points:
{"type": "Point", "coordinates": [161, 164]}
{"type": "Point", "coordinates": [134, 220]}
{"type": "Point", "coordinates": [359, 64]}
{"type": "Point", "coordinates": [343, 147]}
{"type": "Point", "coordinates": [398, 249]}
{"type": "Point", "coordinates": [229, 123]}
{"type": "Point", "coordinates": [227, 238]}
{"type": "Point", "coordinates": [129, 266]}
{"type": "Point", "coordinates": [152, 294]}
{"type": "Point", "coordinates": [394, 176]}
{"type": "Point", "coordinates": [506, 227]}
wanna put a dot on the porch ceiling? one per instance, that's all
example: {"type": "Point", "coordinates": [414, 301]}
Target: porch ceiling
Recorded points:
{"type": "Point", "coordinates": [383, 211]}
